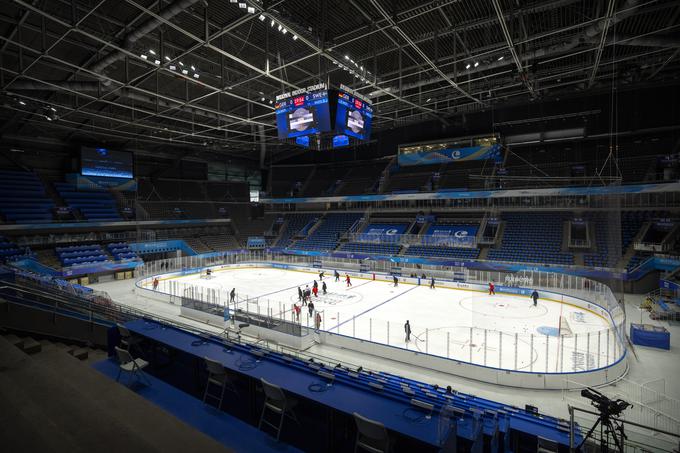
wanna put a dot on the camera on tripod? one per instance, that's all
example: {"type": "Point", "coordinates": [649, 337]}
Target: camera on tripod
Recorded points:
{"type": "Point", "coordinates": [606, 407]}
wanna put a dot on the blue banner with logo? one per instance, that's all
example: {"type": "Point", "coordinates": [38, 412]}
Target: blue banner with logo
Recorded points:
{"type": "Point", "coordinates": [445, 156]}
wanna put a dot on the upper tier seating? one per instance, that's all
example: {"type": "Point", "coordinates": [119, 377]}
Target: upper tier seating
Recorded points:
{"type": "Point", "coordinates": [327, 235]}
{"type": "Point", "coordinates": [457, 175]}
{"type": "Point", "coordinates": [23, 198]}
{"type": "Point", "coordinates": [361, 179]}
{"type": "Point", "coordinates": [533, 238]}
{"type": "Point", "coordinates": [96, 205]}
{"type": "Point", "coordinates": [286, 181]}
{"type": "Point", "coordinates": [411, 179]}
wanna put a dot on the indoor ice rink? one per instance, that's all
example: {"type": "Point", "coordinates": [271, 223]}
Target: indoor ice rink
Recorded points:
{"type": "Point", "coordinates": [501, 331]}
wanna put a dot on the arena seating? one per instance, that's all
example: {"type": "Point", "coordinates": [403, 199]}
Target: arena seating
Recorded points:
{"type": "Point", "coordinates": [23, 198]}
{"type": "Point", "coordinates": [287, 181]}
{"type": "Point", "coordinates": [603, 256]}
{"type": "Point", "coordinates": [533, 238]}
{"type": "Point", "coordinates": [327, 234]}
{"type": "Point", "coordinates": [457, 175]}
{"type": "Point", "coordinates": [9, 251]}
{"type": "Point", "coordinates": [410, 179]}
{"type": "Point", "coordinates": [295, 223]}
{"type": "Point", "coordinates": [81, 254]}
{"type": "Point", "coordinates": [371, 248]}
{"type": "Point", "coordinates": [362, 179]}
{"type": "Point", "coordinates": [121, 251]}
{"type": "Point", "coordinates": [442, 252]}
{"type": "Point", "coordinates": [94, 205]}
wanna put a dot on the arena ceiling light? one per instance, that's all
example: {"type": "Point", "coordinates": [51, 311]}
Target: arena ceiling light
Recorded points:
{"type": "Point", "coordinates": [167, 58]}
{"type": "Point", "coordinates": [294, 37]}
{"type": "Point", "coordinates": [185, 72]}
{"type": "Point", "coordinates": [476, 63]}
{"type": "Point", "coordinates": [467, 66]}
{"type": "Point", "coordinates": [152, 52]}
{"type": "Point", "coordinates": [158, 62]}
{"type": "Point", "coordinates": [262, 18]}
{"type": "Point", "coordinates": [144, 56]}
{"type": "Point", "coordinates": [284, 31]}
{"type": "Point", "coordinates": [251, 10]}
{"type": "Point", "coordinates": [500, 58]}
{"type": "Point", "coordinates": [273, 22]}
{"type": "Point", "coordinates": [242, 5]}
{"type": "Point", "coordinates": [181, 64]}
{"type": "Point", "coordinates": [193, 68]}
{"type": "Point", "coordinates": [22, 103]}
{"type": "Point", "coordinates": [196, 76]}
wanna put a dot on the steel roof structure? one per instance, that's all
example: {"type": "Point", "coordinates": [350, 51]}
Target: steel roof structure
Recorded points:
{"type": "Point", "coordinates": [204, 73]}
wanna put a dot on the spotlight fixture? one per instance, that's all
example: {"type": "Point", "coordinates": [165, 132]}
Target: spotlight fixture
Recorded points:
{"type": "Point", "coordinates": [167, 58]}
{"type": "Point", "coordinates": [251, 10]}
{"type": "Point", "coordinates": [181, 64]}
{"type": "Point", "coordinates": [185, 72]}
{"type": "Point", "coordinates": [261, 17]}
{"type": "Point", "coordinates": [273, 23]}
{"type": "Point", "coordinates": [48, 118]}
{"type": "Point", "coordinates": [193, 68]}
{"type": "Point", "coordinates": [271, 102]}
{"type": "Point", "coordinates": [284, 31]}
{"type": "Point", "coordinates": [467, 66]}
{"type": "Point", "coordinates": [500, 58]}
{"type": "Point", "coordinates": [143, 56]}
{"type": "Point", "coordinates": [152, 52]}
{"type": "Point", "coordinates": [173, 67]}
{"type": "Point", "coordinates": [428, 99]}
{"type": "Point", "coordinates": [476, 63]}
{"type": "Point", "coordinates": [196, 76]}
{"type": "Point", "coordinates": [242, 5]}
{"type": "Point", "coordinates": [294, 37]}
{"type": "Point", "coordinates": [53, 109]}
{"type": "Point", "coordinates": [263, 99]}
{"type": "Point", "coordinates": [233, 1]}
{"type": "Point", "coordinates": [157, 61]}
{"type": "Point", "coordinates": [280, 27]}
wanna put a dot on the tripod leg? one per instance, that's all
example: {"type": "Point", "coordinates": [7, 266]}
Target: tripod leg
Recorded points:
{"type": "Point", "coordinates": [590, 433]}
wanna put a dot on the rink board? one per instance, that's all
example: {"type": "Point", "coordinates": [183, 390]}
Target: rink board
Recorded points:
{"type": "Point", "coordinates": [338, 333]}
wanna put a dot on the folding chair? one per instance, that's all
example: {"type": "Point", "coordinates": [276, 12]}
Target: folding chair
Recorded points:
{"type": "Point", "coordinates": [127, 340]}
{"type": "Point", "coordinates": [277, 403]}
{"type": "Point", "coordinates": [218, 379]}
{"type": "Point", "coordinates": [371, 435]}
{"type": "Point", "coordinates": [131, 366]}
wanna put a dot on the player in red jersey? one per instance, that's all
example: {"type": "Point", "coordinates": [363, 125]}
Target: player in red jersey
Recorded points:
{"type": "Point", "coordinates": [492, 289]}
{"type": "Point", "coordinates": [348, 280]}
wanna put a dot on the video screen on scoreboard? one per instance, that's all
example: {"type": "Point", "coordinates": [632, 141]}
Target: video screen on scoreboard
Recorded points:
{"type": "Point", "coordinates": [302, 141]}
{"type": "Point", "coordinates": [354, 116]}
{"type": "Point", "coordinates": [305, 114]}
{"type": "Point", "coordinates": [340, 141]}
{"type": "Point", "coordinates": [106, 162]}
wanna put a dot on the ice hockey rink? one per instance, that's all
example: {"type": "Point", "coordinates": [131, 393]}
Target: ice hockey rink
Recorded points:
{"type": "Point", "coordinates": [499, 331]}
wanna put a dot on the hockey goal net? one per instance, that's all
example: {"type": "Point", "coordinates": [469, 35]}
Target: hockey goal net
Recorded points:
{"type": "Point", "coordinates": [206, 274]}
{"type": "Point", "coordinates": [565, 328]}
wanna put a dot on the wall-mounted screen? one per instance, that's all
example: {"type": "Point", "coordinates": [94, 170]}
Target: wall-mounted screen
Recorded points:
{"type": "Point", "coordinates": [302, 141]}
{"type": "Point", "coordinates": [354, 116]}
{"type": "Point", "coordinates": [106, 162]}
{"type": "Point", "coordinates": [304, 114]}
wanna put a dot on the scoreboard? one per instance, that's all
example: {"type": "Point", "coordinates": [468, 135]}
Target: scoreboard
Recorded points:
{"type": "Point", "coordinates": [305, 113]}
{"type": "Point", "coordinates": [354, 115]}
{"type": "Point", "coordinates": [316, 118]}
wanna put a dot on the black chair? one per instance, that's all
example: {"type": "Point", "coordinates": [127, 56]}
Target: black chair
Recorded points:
{"type": "Point", "coordinates": [372, 436]}
{"type": "Point", "coordinates": [219, 380]}
{"type": "Point", "coordinates": [277, 403]}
